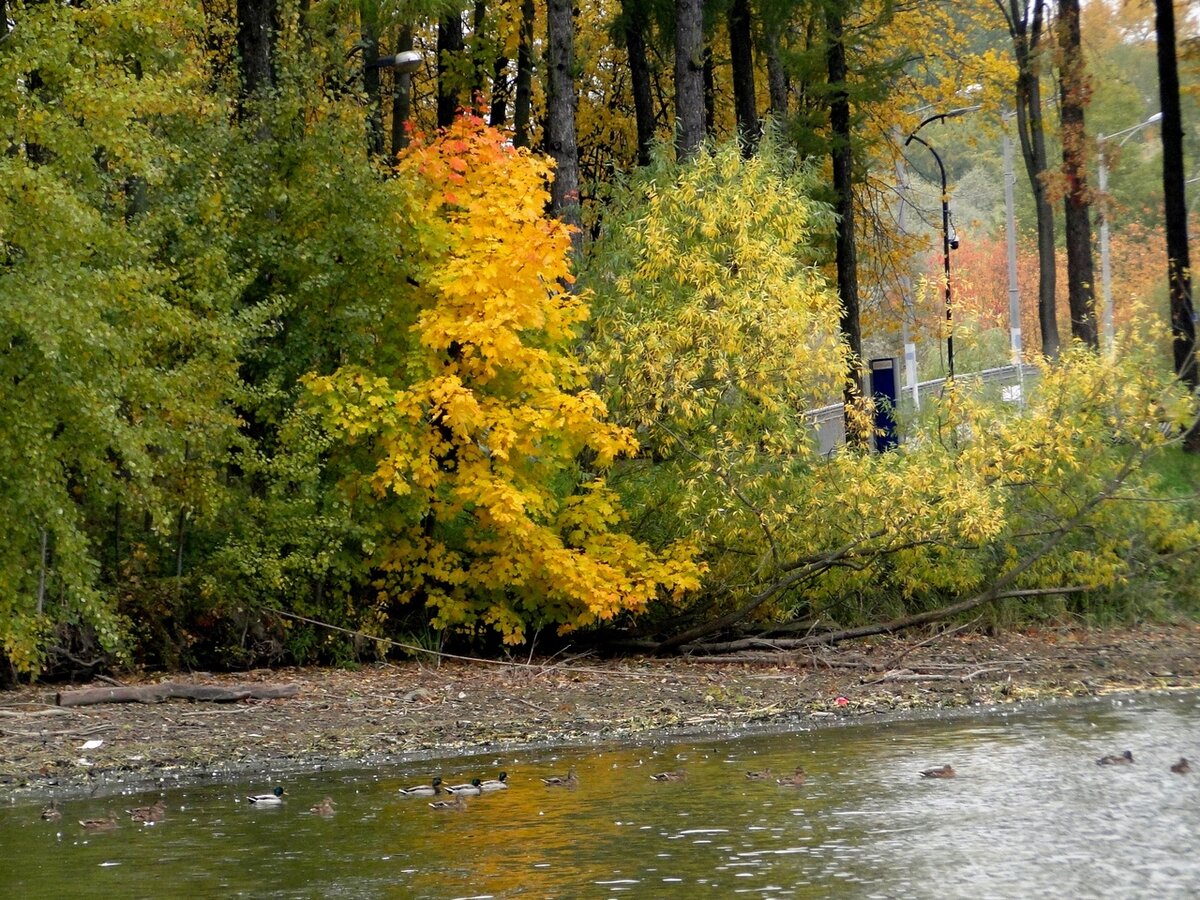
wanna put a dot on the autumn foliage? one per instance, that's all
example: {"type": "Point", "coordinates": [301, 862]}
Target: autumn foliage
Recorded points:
{"type": "Point", "coordinates": [479, 437]}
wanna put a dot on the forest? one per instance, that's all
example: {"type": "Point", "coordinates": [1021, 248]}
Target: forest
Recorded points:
{"type": "Point", "coordinates": [336, 329]}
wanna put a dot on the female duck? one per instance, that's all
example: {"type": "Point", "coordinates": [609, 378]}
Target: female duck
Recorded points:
{"type": "Point", "coordinates": [569, 780]}
{"type": "Point", "coordinates": [424, 790]}
{"type": "Point", "coordinates": [275, 798]}
{"type": "Point", "coordinates": [324, 808]}
{"type": "Point", "coordinates": [796, 779]}
{"type": "Point", "coordinates": [108, 823]}
{"type": "Point", "coordinates": [148, 815]}
{"type": "Point", "coordinates": [459, 802]}
{"type": "Point", "coordinates": [946, 771]}
{"type": "Point", "coordinates": [1123, 760]}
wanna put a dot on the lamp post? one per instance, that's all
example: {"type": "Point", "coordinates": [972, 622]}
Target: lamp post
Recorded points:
{"type": "Point", "coordinates": [947, 243]}
{"type": "Point", "coordinates": [1105, 262]}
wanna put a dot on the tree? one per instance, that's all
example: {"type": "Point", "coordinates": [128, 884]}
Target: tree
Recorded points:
{"type": "Point", "coordinates": [257, 26]}
{"type": "Point", "coordinates": [741, 54]}
{"type": "Point", "coordinates": [843, 175]}
{"type": "Point", "coordinates": [473, 439]}
{"type": "Point", "coordinates": [561, 140]}
{"type": "Point", "coordinates": [1074, 94]}
{"type": "Point", "coordinates": [1025, 20]}
{"type": "Point", "coordinates": [689, 77]}
{"type": "Point", "coordinates": [1179, 278]}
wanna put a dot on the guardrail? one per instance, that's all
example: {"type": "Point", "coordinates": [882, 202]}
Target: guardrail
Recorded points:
{"type": "Point", "coordinates": [830, 421]}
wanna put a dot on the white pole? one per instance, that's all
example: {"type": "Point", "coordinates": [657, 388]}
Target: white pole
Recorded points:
{"type": "Point", "coordinates": [910, 347]}
{"type": "Point", "coordinates": [1010, 219]}
{"type": "Point", "coordinates": [1105, 260]}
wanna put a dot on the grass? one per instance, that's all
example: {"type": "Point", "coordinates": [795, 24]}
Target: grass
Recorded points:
{"type": "Point", "coordinates": [1178, 472]}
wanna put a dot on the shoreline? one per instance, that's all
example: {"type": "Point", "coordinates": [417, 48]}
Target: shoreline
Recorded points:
{"type": "Point", "coordinates": [393, 714]}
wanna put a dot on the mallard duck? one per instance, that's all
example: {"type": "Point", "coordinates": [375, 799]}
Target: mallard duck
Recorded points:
{"type": "Point", "coordinates": [946, 771]}
{"type": "Point", "coordinates": [149, 814]}
{"type": "Point", "coordinates": [459, 802]}
{"type": "Point", "coordinates": [499, 783]}
{"type": "Point", "coordinates": [677, 775]}
{"type": "Point", "coordinates": [474, 786]}
{"type": "Point", "coordinates": [1180, 768]}
{"type": "Point", "coordinates": [108, 823]}
{"type": "Point", "coordinates": [764, 775]}
{"type": "Point", "coordinates": [52, 813]}
{"type": "Point", "coordinates": [569, 780]}
{"type": "Point", "coordinates": [1123, 760]}
{"type": "Point", "coordinates": [424, 790]}
{"type": "Point", "coordinates": [324, 808]}
{"type": "Point", "coordinates": [275, 798]}
{"type": "Point", "coordinates": [795, 779]}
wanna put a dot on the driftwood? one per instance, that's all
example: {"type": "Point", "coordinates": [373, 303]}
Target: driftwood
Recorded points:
{"type": "Point", "coordinates": [167, 690]}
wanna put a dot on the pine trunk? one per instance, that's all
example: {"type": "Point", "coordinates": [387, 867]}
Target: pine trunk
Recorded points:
{"type": "Point", "coordinates": [561, 141]}
{"type": "Point", "coordinates": [639, 77]}
{"type": "Point", "coordinates": [449, 44]}
{"type": "Point", "coordinates": [523, 102]}
{"type": "Point", "coordinates": [741, 55]}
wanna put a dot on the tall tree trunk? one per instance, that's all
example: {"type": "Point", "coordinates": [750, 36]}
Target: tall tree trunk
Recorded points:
{"type": "Point", "coordinates": [777, 79]}
{"type": "Point", "coordinates": [449, 44]}
{"type": "Point", "coordinates": [561, 142]}
{"type": "Point", "coordinates": [1183, 322]}
{"type": "Point", "coordinates": [257, 24]}
{"type": "Point", "coordinates": [498, 110]}
{"type": "Point", "coordinates": [479, 57]}
{"type": "Point", "coordinates": [1026, 29]}
{"type": "Point", "coordinates": [523, 102]}
{"type": "Point", "coordinates": [639, 76]}
{"type": "Point", "coordinates": [689, 77]}
{"type": "Point", "coordinates": [371, 85]}
{"type": "Point", "coordinates": [847, 259]}
{"type": "Point", "coordinates": [741, 55]}
{"type": "Point", "coordinates": [401, 95]}
{"type": "Point", "coordinates": [710, 94]}
{"type": "Point", "coordinates": [1074, 90]}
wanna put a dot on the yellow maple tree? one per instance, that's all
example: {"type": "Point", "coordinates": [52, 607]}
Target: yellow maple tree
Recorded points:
{"type": "Point", "coordinates": [481, 432]}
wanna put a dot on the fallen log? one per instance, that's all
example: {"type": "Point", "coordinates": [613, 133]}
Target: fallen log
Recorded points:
{"type": "Point", "coordinates": [169, 690]}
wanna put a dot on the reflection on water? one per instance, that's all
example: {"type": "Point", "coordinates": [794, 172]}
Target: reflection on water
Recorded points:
{"type": "Point", "coordinates": [1030, 814]}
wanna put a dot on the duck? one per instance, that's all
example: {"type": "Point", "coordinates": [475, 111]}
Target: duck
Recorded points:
{"type": "Point", "coordinates": [569, 780]}
{"type": "Point", "coordinates": [677, 775]}
{"type": "Point", "coordinates": [1123, 760]}
{"type": "Point", "coordinates": [474, 786]}
{"type": "Point", "coordinates": [108, 823]}
{"type": "Point", "coordinates": [459, 802]}
{"type": "Point", "coordinates": [424, 790]}
{"type": "Point", "coordinates": [946, 771]}
{"type": "Point", "coordinates": [764, 775]}
{"type": "Point", "coordinates": [1179, 768]}
{"type": "Point", "coordinates": [795, 779]}
{"type": "Point", "coordinates": [275, 798]}
{"type": "Point", "coordinates": [499, 783]}
{"type": "Point", "coordinates": [148, 815]}
{"type": "Point", "coordinates": [324, 808]}
{"type": "Point", "coordinates": [52, 813]}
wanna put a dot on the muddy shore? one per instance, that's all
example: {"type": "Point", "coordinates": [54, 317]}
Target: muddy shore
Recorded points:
{"type": "Point", "coordinates": [392, 713]}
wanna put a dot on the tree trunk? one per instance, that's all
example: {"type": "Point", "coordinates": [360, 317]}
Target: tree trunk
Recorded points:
{"type": "Point", "coordinates": [741, 54]}
{"type": "Point", "coordinates": [847, 259]}
{"type": "Point", "coordinates": [1025, 28]}
{"type": "Point", "coordinates": [167, 690]}
{"type": "Point", "coordinates": [498, 110]}
{"type": "Point", "coordinates": [401, 95]}
{"type": "Point", "coordinates": [1074, 90]}
{"type": "Point", "coordinates": [777, 79]}
{"type": "Point", "coordinates": [710, 94]}
{"type": "Point", "coordinates": [257, 23]}
{"type": "Point", "coordinates": [449, 44]}
{"type": "Point", "coordinates": [524, 99]}
{"type": "Point", "coordinates": [639, 76]}
{"type": "Point", "coordinates": [561, 141]}
{"type": "Point", "coordinates": [479, 61]}
{"type": "Point", "coordinates": [689, 77]}
{"type": "Point", "coordinates": [1183, 325]}
{"type": "Point", "coordinates": [371, 87]}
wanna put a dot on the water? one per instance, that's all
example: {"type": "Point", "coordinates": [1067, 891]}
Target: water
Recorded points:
{"type": "Point", "coordinates": [1030, 814]}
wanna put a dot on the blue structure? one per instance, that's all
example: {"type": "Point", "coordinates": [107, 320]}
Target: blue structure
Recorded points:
{"type": "Point", "coordinates": [885, 392]}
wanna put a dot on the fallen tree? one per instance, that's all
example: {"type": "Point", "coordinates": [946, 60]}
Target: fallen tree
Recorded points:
{"type": "Point", "coordinates": [174, 690]}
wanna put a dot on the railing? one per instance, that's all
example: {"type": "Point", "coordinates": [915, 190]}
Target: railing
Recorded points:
{"type": "Point", "coordinates": [830, 421]}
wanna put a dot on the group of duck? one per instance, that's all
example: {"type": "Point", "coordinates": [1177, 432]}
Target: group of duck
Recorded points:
{"type": "Point", "coordinates": [149, 815]}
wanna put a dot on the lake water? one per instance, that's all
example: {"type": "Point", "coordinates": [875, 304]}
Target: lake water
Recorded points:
{"type": "Point", "coordinates": [1029, 815]}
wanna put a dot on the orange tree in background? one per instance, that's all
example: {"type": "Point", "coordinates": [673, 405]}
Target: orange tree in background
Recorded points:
{"type": "Point", "coordinates": [481, 442]}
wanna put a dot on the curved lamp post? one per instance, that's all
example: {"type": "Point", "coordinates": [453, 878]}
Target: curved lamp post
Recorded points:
{"type": "Point", "coordinates": [1105, 262]}
{"type": "Point", "coordinates": [947, 243]}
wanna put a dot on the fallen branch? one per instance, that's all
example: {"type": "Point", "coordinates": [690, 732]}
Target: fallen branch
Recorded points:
{"type": "Point", "coordinates": [168, 690]}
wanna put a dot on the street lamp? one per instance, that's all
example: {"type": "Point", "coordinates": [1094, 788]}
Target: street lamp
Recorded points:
{"type": "Point", "coordinates": [1105, 263]}
{"type": "Point", "coordinates": [947, 242]}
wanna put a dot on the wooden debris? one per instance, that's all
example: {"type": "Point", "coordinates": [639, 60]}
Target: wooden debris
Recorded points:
{"type": "Point", "coordinates": [168, 690]}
